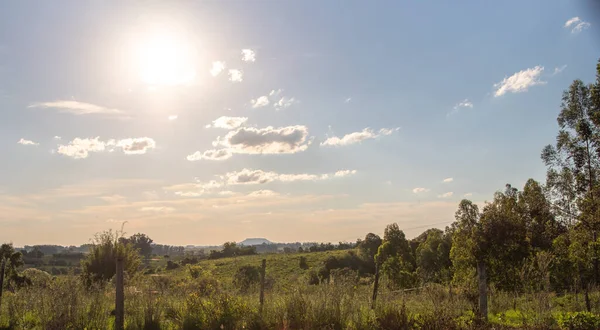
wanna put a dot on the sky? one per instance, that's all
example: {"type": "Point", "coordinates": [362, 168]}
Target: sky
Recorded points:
{"type": "Point", "coordinates": [200, 122]}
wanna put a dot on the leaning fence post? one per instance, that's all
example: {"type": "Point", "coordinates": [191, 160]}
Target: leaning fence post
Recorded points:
{"type": "Point", "coordinates": [375, 285]}
{"type": "Point", "coordinates": [120, 297]}
{"type": "Point", "coordinates": [262, 283]}
{"type": "Point", "coordinates": [483, 303]}
{"type": "Point", "coordinates": [2, 267]}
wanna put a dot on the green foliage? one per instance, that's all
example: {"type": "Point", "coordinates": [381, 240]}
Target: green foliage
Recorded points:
{"type": "Point", "coordinates": [172, 265]}
{"type": "Point", "coordinates": [231, 249]}
{"type": "Point", "coordinates": [14, 260]}
{"type": "Point", "coordinates": [302, 263]}
{"type": "Point", "coordinates": [578, 321]}
{"type": "Point", "coordinates": [246, 277]}
{"type": "Point", "coordinates": [100, 264]}
{"type": "Point", "coordinates": [140, 242]}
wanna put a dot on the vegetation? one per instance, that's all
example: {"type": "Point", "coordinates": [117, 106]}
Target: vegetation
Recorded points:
{"type": "Point", "coordinates": [537, 247]}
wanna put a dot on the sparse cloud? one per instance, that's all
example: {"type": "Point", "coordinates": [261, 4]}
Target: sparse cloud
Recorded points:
{"type": "Point", "coordinates": [260, 102]}
{"type": "Point", "coordinates": [56, 137]}
{"type": "Point", "coordinates": [236, 75]}
{"type": "Point", "coordinates": [262, 193]}
{"type": "Point", "coordinates": [268, 140]}
{"type": "Point", "coordinates": [217, 68]}
{"type": "Point", "coordinates": [173, 117]}
{"type": "Point", "coordinates": [357, 137]}
{"type": "Point", "coordinates": [80, 148]}
{"type": "Point", "coordinates": [27, 142]}
{"type": "Point", "coordinates": [460, 105]}
{"type": "Point", "coordinates": [157, 209]}
{"type": "Point", "coordinates": [228, 122]}
{"type": "Point", "coordinates": [446, 195]}
{"type": "Point", "coordinates": [520, 81]}
{"type": "Point", "coordinates": [447, 180]}
{"type": "Point", "coordinates": [77, 108]}
{"type": "Point", "coordinates": [468, 195]}
{"type": "Point", "coordinates": [348, 100]}
{"type": "Point", "coordinates": [275, 92]}
{"type": "Point", "coordinates": [248, 55]}
{"type": "Point", "coordinates": [558, 70]}
{"type": "Point", "coordinates": [250, 176]}
{"type": "Point", "coordinates": [576, 25]}
{"type": "Point", "coordinates": [420, 190]}
{"type": "Point", "coordinates": [285, 102]}
{"type": "Point", "coordinates": [213, 154]}
{"type": "Point", "coordinates": [343, 173]}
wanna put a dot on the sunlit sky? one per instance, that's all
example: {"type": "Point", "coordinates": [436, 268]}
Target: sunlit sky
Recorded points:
{"type": "Point", "coordinates": [199, 122]}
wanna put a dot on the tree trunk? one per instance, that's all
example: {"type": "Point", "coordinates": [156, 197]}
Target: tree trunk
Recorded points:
{"type": "Point", "coordinates": [375, 286]}
{"type": "Point", "coordinates": [483, 303]}
{"type": "Point", "coordinates": [595, 261]}
{"type": "Point", "coordinates": [2, 267]}
{"type": "Point", "coordinates": [120, 297]}
{"type": "Point", "coordinates": [262, 283]}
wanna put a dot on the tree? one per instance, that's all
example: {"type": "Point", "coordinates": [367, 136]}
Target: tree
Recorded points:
{"type": "Point", "coordinates": [395, 258]}
{"type": "Point", "coordinates": [140, 242]}
{"type": "Point", "coordinates": [14, 260]}
{"type": "Point", "coordinates": [433, 257]}
{"type": "Point", "coordinates": [100, 264]}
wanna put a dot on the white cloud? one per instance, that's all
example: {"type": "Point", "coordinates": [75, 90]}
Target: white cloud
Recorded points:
{"type": "Point", "coordinates": [348, 100]}
{"type": "Point", "coordinates": [275, 92]}
{"type": "Point", "coordinates": [446, 180]}
{"type": "Point", "coordinates": [80, 148]}
{"type": "Point", "coordinates": [77, 108]}
{"type": "Point", "coordinates": [212, 154]}
{"type": "Point", "coordinates": [226, 193]}
{"type": "Point", "coordinates": [228, 122]}
{"type": "Point", "coordinates": [157, 209]}
{"type": "Point", "coordinates": [285, 102]}
{"type": "Point", "coordinates": [420, 190]}
{"type": "Point", "coordinates": [173, 117]}
{"type": "Point", "coordinates": [468, 195]}
{"type": "Point", "coordinates": [217, 68]}
{"type": "Point", "coordinates": [56, 137]}
{"type": "Point", "coordinates": [520, 81]}
{"type": "Point", "coordinates": [248, 55]}
{"type": "Point", "coordinates": [460, 105]}
{"type": "Point", "coordinates": [558, 70]}
{"type": "Point", "coordinates": [260, 102]}
{"type": "Point", "coordinates": [27, 142]}
{"type": "Point", "coordinates": [343, 173]}
{"type": "Point", "coordinates": [576, 25]}
{"type": "Point", "coordinates": [268, 140]}
{"type": "Point", "coordinates": [262, 193]}
{"type": "Point", "coordinates": [236, 75]}
{"type": "Point", "coordinates": [446, 195]}
{"type": "Point", "coordinates": [357, 137]}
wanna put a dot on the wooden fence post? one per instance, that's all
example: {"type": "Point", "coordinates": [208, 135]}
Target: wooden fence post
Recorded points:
{"type": "Point", "coordinates": [375, 286]}
{"type": "Point", "coordinates": [2, 267]}
{"type": "Point", "coordinates": [263, 270]}
{"type": "Point", "coordinates": [120, 297]}
{"type": "Point", "coordinates": [483, 303]}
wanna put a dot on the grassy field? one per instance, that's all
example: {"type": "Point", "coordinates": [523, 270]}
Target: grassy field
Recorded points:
{"type": "Point", "coordinates": [205, 296]}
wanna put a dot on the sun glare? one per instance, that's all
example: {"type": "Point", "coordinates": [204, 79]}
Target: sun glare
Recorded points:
{"type": "Point", "coordinates": [164, 59]}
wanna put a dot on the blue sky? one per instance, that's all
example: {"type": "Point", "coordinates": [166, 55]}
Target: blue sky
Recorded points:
{"type": "Point", "coordinates": [201, 122]}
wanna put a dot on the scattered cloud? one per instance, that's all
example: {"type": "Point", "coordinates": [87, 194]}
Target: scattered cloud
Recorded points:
{"type": "Point", "coordinates": [446, 180]}
{"type": "Point", "coordinates": [468, 195]}
{"type": "Point", "coordinates": [343, 173]}
{"type": "Point", "coordinates": [173, 117]}
{"type": "Point", "coordinates": [268, 140]}
{"type": "Point", "coordinates": [226, 193]}
{"type": "Point", "coordinates": [420, 190]}
{"type": "Point", "coordinates": [56, 137]}
{"type": "Point", "coordinates": [213, 154]}
{"type": "Point", "coordinates": [357, 137]}
{"type": "Point", "coordinates": [348, 100]}
{"type": "Point", "coordinates": [285, 102]}
{"type": "Point", "coordinates": [80, 148]}
{"type": "Point", "coordinates": [262, 193]}
{"type": "Point", "coordinates": [248, 55]}
{"type": "Point", "coordinates": [236, 75]}
{"type": "Point", "coordinates": [77, 108]}
{"type": "Point", "coordinates": [260, 102]}
{"type": "Point", "coordinates": [249, 176]}
{"type": "Point", "coordinates": [228, 122]}
{"type": "Point", "coordinates": [446, 195]}
{"type": "Point", "coordinates": [27, 142]}
{"type": "Point", "coordinates": [275, 92]}
{"type": "Point", "coordinates": [460, 105]}
{"type": "Point", "coordinates": [558, 70]}
{"type": "Point", "coordinates": [157, 209]}
{"type": "Point", "coordinates": [217, 68]}
{"type": "Point", "coordinates": [520, 81]}
{"type": "Point", "coordinates": [576, 25]}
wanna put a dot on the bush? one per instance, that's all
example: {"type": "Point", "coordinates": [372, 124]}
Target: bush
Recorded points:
{"type": "Point", "coordinates": [578, 321]}
{"type": "Point", "coordinates": [303, 264]}
{"type": "Point", "coordinates": [171, 265]}
{"type": "Point", "coordinates": [246, 276]}
{"type": "Point", "coordinates": [313, 278]}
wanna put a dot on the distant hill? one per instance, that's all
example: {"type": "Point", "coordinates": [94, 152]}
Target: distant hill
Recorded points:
{"type": "Point", "coordinates": [255, 241]}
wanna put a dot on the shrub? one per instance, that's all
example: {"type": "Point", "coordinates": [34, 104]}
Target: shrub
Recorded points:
{"type": "Point", "coordinates": [303, 264]}
{"type": "Point", "coordinates": [578, 321]}
{"type": "Point", "coordinates": [246, 276]}
{"type": "Point", "coordinates": [171, 265]}
{"type": "Point", "coordinates": [313, 278]}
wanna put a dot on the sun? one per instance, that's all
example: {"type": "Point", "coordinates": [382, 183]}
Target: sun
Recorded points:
{"type": "Point", "coordinates": [165, 59]}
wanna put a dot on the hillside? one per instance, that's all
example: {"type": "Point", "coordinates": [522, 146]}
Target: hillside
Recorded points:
{"type": "Point", "coordinates": [255, 241]}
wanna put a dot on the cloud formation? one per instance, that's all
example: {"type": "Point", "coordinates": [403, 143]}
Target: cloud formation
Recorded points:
{"type": "Point", "coordinates": [217, 68]}
{"type": "Point", "coordinates": [262, 101]}
{"type": "Point", "coordinates": [420, 190]}
{"type": "Point", "coordinates": [172, 117]}
{"type": "Point", "coordinates": [284, 102]}
{"type": "Point", "coordinates": [80, 148]}
{"type": "Point", "coordinates": [447, 180]}
{"type": "Point", "coordinates": [446, 195]}
{"type": "Point", "coordinates": [520, 81]}
{"type": "Point", "coordinates": [268, 140]}
{"type": "Point", "coordinates": [77, 108]}
{"type": "Point", "coordinates": [228, 122]}
{"type": "Point", "coordinates": [250, 176]}
{"type": "Point", "coordinates": [27, 142]}
{"type": "Point", "coordinates": [576, 25]}
{"type": "Point", "coordinates": [357, 137]}
{"type": "Point", "coordinates": [213, 154]}
{"type": "Point", "coordinates": [248, 55]}
{"type": "Point", "coordinates": [236, 75]}
{"type": "Point", "coordinates": [343, 173]}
